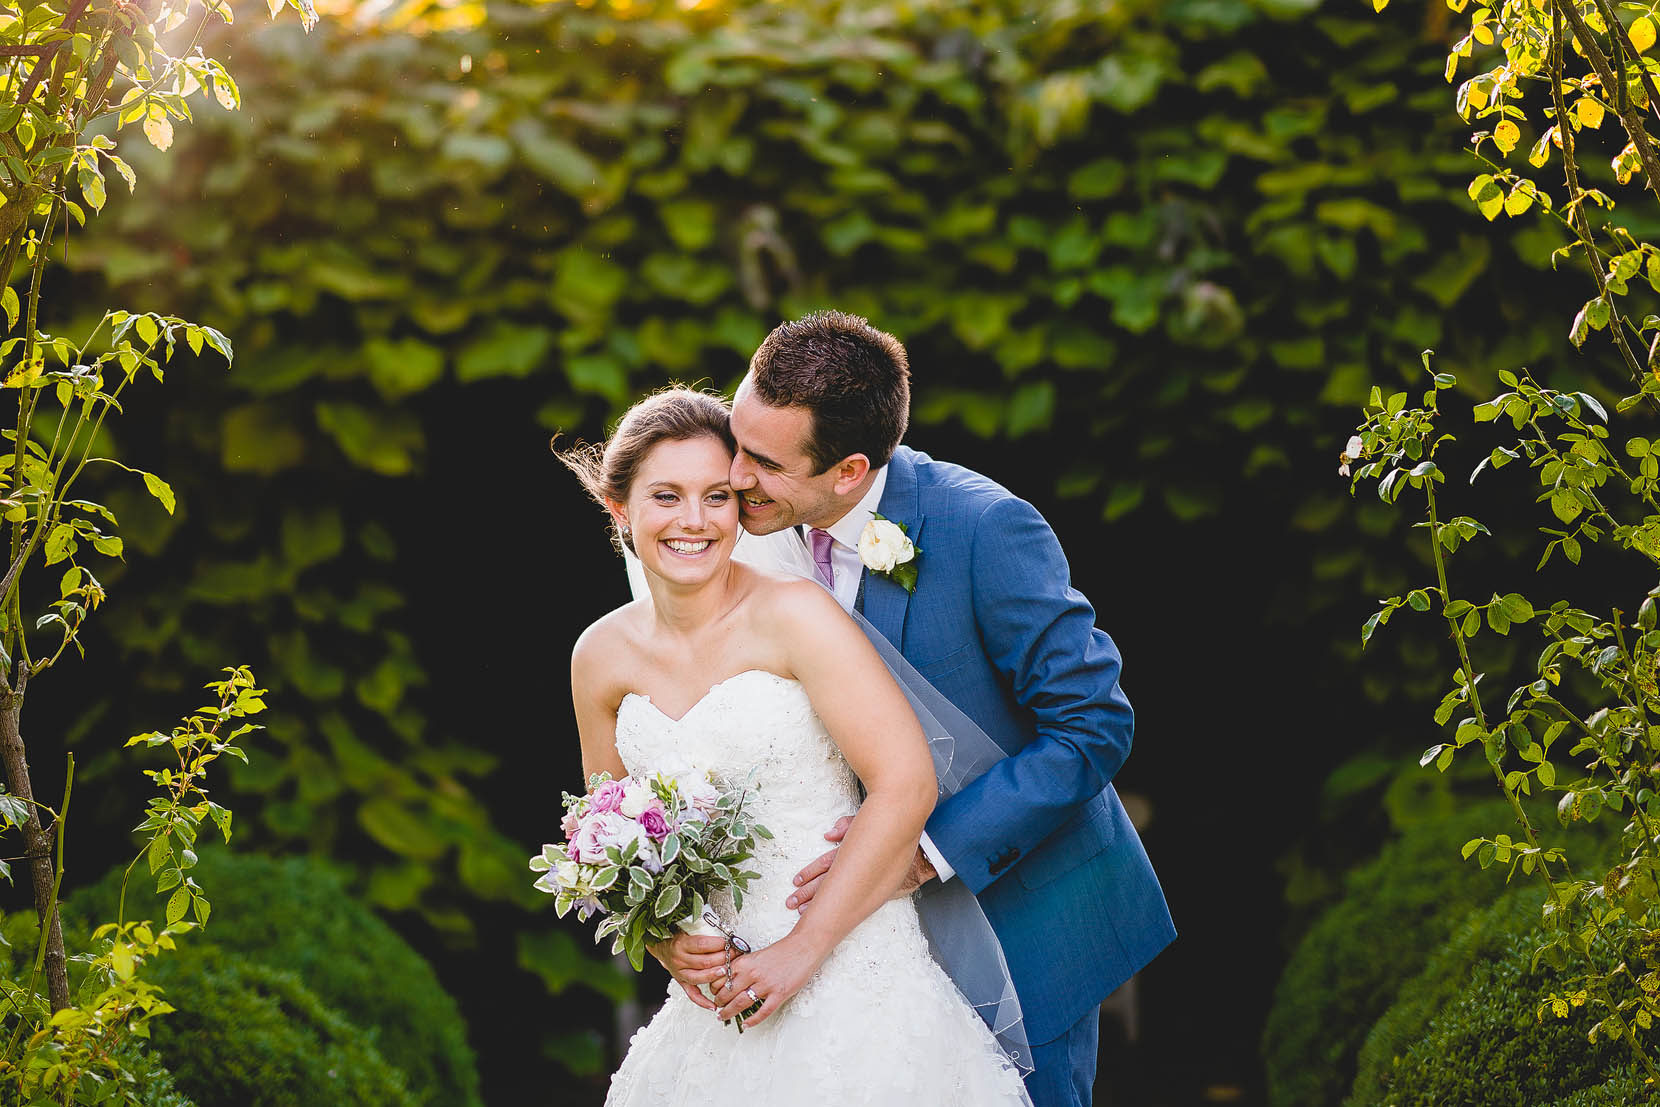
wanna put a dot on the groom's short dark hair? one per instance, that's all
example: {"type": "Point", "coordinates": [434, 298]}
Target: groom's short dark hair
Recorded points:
{"type": "Point", "coordinates": [854, 379]}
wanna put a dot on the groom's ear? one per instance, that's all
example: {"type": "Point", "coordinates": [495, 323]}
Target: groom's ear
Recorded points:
{"type": "Point", "coordinates": [850, 471]}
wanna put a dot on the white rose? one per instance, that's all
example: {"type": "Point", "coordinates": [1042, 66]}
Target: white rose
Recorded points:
{"type": "Point", "coordinates": [882, 545]}
{"type": "Point", "coordinates": [636, 796]}
{"type": "Point", "coordinates": [1351, 452]}
{"type": "Point", "coordinates": [569, 873]}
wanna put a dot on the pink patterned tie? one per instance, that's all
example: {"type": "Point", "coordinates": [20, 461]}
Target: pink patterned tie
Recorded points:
{"type": "Point", "coordinates": [821, 556]}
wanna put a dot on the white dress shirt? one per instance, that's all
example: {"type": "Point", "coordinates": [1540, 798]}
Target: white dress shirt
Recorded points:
{"type": "Point", "coordinates": [846, 568]}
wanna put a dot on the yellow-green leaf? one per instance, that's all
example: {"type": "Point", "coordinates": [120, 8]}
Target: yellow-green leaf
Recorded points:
{"type": "Point", "coordinates": [161, 490]}
{"type": "Point", "coordinates": [1642, 33]}
{"type": "Point", "coordinates": [60, 543]}
{"type": "Point", "coordinates": [158, 129]}
{"type": "Point", "coordinates": [1506, 135]}
{"type": "Point", "coordinates": [1487, 194]}
{"type": "Point", "coordinates": [1589, 111]}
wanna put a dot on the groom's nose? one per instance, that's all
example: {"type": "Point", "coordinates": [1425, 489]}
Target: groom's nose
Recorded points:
{"type": "Point", "coordinates": [742, 475]}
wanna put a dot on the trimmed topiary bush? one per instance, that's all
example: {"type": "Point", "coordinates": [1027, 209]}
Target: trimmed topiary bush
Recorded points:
{"type": "Point", "coordinates": [1347, 969]}
{"type": "Point", "coordinates": [296, 915]}
{"type": "Point", "coordinates": [1622, 1090]}
{"type": "Point", "coordinates": [1486, 1047]}
{"type": "Point", "coordinates": [1483, 936]}
{"type": "Point", "coordinates": [245, 1035]}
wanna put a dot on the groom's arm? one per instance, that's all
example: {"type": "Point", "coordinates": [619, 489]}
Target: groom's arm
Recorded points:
{"type": "Point", "coordinates": [1040, 633]}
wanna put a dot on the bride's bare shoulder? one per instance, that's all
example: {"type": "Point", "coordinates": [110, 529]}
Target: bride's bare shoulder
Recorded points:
{"type": "Point", "coordinates": [778, 596]}
{"type": "Point", "coordinates": [608, 646]}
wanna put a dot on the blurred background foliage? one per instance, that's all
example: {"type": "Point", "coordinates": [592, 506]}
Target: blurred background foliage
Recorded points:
{"type": "Point", "coordinates": [1147, 256]}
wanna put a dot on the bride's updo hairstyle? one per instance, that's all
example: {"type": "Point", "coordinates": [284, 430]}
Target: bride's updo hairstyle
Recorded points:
{"type": "Point", "coordinates": [676, 414]}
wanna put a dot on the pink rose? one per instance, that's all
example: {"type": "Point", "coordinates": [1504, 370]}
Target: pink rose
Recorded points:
{"type": "Point", "coordinates": [607, 797]}
{"type": "Point", "coordinates": [588, 846]}
{"type": "Point", "coordinates": [570, 824]}
{"type": "Point", "coordinates": [655, 822]}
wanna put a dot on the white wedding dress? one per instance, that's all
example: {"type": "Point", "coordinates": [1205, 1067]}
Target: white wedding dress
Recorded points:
{"type": "Point", "coordinates": [880, 1022]}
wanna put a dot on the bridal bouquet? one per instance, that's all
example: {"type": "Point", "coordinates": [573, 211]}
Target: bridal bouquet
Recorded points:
{"type": "Point", "coordinates": [647, 852]}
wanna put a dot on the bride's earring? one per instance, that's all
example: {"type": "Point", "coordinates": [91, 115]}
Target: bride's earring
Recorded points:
{"type": "Point", "coordinates": [626, 532]}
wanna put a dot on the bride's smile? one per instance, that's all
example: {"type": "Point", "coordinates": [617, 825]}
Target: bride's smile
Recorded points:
{"type": "Point", "coordinates": [682, 511]}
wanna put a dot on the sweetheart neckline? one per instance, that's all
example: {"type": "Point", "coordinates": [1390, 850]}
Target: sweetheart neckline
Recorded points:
{"type": "Point", "coordinates": [701, 700]}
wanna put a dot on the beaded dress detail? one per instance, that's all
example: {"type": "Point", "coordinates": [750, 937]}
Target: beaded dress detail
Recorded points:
{"type": "Point", "coordinates": [879, 1023]}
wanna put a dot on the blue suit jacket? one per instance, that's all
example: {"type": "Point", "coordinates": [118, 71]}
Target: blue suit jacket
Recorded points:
{"type": "Point", "coordinates": [1041, 838]}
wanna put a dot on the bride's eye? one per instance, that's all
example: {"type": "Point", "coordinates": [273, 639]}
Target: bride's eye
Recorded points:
{"type": "Point", "coordinates": [664, 497]}
{"type": "Point", "coordinates": [719, 497]}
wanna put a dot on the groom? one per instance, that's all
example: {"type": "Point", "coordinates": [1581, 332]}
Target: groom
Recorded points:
{"type": "Point", "coordinates": [1041, 838]}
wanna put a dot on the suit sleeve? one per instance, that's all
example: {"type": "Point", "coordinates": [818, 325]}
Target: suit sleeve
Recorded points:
{"type": "Point", "coordinates": [1038, 632]}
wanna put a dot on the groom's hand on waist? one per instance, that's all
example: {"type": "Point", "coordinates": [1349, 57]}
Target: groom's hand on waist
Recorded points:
{"type": "Point", "coordinates": [693, 959]}
{"type": "Point", "coordinates": [807, 880]}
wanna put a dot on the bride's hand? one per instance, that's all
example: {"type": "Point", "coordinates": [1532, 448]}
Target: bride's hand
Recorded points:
{"type": "Point", "coordinates": [693, 959]}
{"type": "Point", "coordinates": [773, 975]}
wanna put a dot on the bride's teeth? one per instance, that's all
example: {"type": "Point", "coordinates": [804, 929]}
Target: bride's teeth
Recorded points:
{"type": "Point", "coordinates": [688, 547]}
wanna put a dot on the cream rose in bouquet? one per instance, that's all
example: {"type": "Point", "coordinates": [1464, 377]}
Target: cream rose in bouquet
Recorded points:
{"type": "Point", "coordinates": [647, 852]}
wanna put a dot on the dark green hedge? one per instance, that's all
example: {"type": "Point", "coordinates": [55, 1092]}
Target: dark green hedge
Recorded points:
{"type": "Point", "coordinates": [1483, 1044]}
{"type": "Point", "coordinates": [1348, 968]}
{"type": "Point", "coordinates": [245, 1035]}
{"type": "Point", "coordinates": [297, 917]}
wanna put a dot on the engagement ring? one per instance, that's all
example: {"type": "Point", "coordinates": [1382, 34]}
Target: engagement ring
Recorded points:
{"type": "Point", "coordinates": [753, 998]}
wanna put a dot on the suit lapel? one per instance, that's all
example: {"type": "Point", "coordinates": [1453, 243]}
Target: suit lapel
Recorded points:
{"type": "Point", "coordinates": [885, 603]}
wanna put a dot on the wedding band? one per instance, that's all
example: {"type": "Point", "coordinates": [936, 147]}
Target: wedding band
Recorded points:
{"type": "Point", "coordinates": [753, 998]}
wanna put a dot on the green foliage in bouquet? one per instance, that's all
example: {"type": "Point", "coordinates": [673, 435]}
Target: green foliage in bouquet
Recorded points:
{"type": "Point", "coordinates": [298, 916]}
{"type": "Point", "coordinates": [648, 886]}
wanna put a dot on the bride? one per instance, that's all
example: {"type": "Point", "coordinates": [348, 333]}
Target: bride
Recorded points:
{"type": "Point", "coordinates": [732, 669]}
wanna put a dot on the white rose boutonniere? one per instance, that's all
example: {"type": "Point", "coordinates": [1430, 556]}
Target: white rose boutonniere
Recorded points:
{"type": "Point", "coordinates": [887, 552]}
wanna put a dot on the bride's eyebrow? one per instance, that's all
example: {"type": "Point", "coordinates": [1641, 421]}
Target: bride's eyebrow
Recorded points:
{"type": "Point", "coordinates": [675, 486]}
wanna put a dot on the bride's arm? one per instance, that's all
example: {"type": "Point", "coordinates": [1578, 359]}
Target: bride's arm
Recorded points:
{"type": "Point", "coordinates": [691, 960]}
{"type": "Point", "coordinates": [873, 725]}
{"type": "Point", "coordinates": [594, 699]}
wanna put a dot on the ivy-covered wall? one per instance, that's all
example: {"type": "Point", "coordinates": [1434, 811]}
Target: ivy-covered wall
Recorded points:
{"type": "Point", "coordinates": [1147, 256]}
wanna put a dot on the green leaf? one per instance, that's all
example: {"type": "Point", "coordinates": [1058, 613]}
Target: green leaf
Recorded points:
{"type": "Point", "coordinates": [1488, 196]}
{"type": "Point", "coordinates": [1498, 618]}
{"type": "Point", "coordinates": [1565, 505]}
{"type": "Point", "coordinates": [177, 905]}
{"type": "Point", "coordinates": [60, 543]}
{"type": "Point", "coordinates": [159, 488]}
{"type": "Point", "coordinates": [667, 900]}
{"type": "Point", "coordinates": [401, 830]}
{"type": "Point", "coordinates": [505, 350]}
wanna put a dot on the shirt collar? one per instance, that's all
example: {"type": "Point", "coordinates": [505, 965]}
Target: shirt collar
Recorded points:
{"type": "Point", "coordinates": [847, 529]}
